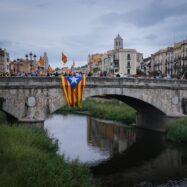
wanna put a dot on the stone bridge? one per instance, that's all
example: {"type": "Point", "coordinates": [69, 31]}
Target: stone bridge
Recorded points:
{"type": "Point", "coordinates": [32, 99]}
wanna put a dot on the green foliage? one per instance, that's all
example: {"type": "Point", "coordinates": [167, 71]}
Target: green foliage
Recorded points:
{"type": "Point", "coordinates": [106, 109]}
{"type": "Point", "coordinates": [28, 159]}
{"type": "Point", "coordinates": [177, 131]}
{"type": "Point", "coordinates": [2, 117]}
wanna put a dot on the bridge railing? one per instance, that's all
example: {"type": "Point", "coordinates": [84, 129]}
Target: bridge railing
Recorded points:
{"type": "Point", "coordinates": [55, 82]}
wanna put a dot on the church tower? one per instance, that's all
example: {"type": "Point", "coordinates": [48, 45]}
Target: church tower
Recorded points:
{"type": "Point", "coordinates": [118, 42]}
{"type": "Point", "coordinates": [46, 60]}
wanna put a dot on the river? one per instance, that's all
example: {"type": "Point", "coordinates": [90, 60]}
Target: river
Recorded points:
{"type": "Point", "coordinates": [119, 155]}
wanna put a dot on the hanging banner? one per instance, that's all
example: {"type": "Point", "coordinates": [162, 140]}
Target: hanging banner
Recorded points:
{"type": "Point", "coordinates": [73, 87]}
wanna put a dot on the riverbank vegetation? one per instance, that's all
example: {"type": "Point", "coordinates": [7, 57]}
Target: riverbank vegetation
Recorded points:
{"type": "Point", "coordinates": [28, 158]}
{"type": "Point", "coordinates": [105, 109]}
{"type": "Point", "coordinates": [177, 131]}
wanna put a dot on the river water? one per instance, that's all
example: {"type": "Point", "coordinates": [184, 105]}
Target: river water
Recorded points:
{"type": "Point", "coordinates": [119, 155]}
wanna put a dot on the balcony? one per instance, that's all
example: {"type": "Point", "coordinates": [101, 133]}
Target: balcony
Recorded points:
{"type": "Point", "coordinates": [184, 58]}
{"type": "Point", "coordinates": [116, 65]}
{"type": "Point", "coordinates": [177, 59]}
{"type": "Point", "coordinates": [116, 60]}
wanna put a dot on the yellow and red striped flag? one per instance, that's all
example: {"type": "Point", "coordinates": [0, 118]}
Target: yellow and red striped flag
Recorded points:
{"type": "Point", "coordinates": [50, 69]}
{"type": "Point", "coordinates": [64, 58]}
{"type": "Point", "coordinates": [41, 62]}
{"type": "Point", "coordinates": [73, 87]}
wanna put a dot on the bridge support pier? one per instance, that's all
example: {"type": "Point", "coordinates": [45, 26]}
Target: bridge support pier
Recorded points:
{"type": "Point", "coordinates": [152, 121]}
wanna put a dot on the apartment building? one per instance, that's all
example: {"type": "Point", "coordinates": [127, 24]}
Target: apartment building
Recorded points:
{"type": "Point", "coordinates": [145, 66]}
{"type": "Point", "coordinates": [171, 61]}
{"type": "Point", "coordinates": [4, 61]}
{"type": "Point", "coordinates": [159, 61]}
{"type": "Point", "coordinates": [184, 56]}
{"type": "Point", "coordinates": [120, 60]}
{"type": "Point", "coordinates": [95, 63]}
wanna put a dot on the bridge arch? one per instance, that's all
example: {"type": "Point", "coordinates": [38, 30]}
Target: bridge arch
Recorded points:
{"type": "Point", "coordinates": [148, 116]}
{"type": "Point", "coordinates": [10, 118]}
{"type": "Point", "coordinates": [137, 104]}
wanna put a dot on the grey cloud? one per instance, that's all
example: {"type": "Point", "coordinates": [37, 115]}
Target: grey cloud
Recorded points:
{"type": "Point", "coordinates": [41, 5]}
{"type": "Point", "coordinates": [5, 43]}
{"type": "Point", "coordinates": [149, 15]}
{"type": "Point", "coordinates": [151, 37]}
{"type": "Point", "coordinates": [80, 27]}
{"type": "Point", "coordinates": [86, 2]}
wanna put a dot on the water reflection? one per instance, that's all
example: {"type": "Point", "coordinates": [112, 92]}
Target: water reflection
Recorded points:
{"type": "Point", "coordinates": [110, 137]}
{"type": "Point", "coordinates": [117, 155]}
{"type": "Point", "coordinates": [87, 139]}
{"type": "Point", "coordinates": [150, 161]}
{"type": "Point", "coordinates": [159, 170]}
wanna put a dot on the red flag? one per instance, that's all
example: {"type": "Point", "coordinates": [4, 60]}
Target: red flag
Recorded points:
{"type": "Point", "coordinates": [73, 87]}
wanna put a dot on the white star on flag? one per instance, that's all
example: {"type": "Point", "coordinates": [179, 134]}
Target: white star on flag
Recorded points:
{"type": "Point", "coordinates": [74, 80]}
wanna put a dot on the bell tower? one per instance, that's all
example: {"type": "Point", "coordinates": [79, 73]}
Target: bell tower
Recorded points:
{"type": "Point", "coordinates": [118, 42]}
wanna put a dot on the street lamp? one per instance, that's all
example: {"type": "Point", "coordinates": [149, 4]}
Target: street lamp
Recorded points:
{"type": "Point", "coordinates": [30, 54]}
{"type": "Point", "coordinates": [26, 56]}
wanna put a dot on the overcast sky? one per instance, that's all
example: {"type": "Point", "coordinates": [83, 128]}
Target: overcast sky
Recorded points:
{"type": "Point", "coordinates": [82, 27]}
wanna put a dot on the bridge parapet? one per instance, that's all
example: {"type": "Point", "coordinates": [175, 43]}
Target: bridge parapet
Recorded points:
{"type": "Point", "coordinates": [55, 82]}
{"type": "Point", "coordinates": [136, 82]}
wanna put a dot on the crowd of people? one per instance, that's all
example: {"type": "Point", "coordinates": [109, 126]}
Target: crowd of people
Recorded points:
{"type": "Point", "coordinates": [89, 74]}
{"type": "Point", "coordinates": [47, 74]}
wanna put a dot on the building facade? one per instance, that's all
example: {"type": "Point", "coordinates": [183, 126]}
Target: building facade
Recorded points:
{"type": "Point", "coordinates": [95, 63]}
{"type": "Point", "coordinates": [184, 57]}
{"type": "Point", "coordinates": [159, 61]}
{"type": "Point", "coordinates": [29, 66]}
{"type": "Point", "coordinates": [109, 63]}
{"type": "Point", "coordinates": [4, 62]}
{"type": "Point", "coordinates": [121, 61]}
{"type": "Point", "coordinates": [145, 66]}
{"type": "Point", "coordinates": [171, 61]}
{"type": "Point", "coordinates": [43, 65]}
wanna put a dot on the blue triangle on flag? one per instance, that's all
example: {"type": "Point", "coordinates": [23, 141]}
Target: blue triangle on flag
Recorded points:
{"type": "Point", "coordinates": [74, 80]}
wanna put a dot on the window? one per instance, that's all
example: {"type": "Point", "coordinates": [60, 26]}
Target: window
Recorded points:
{"type": "Point", "coordinates": [128, 57]}
{"type": "Point", "coordinates": [128, 71]}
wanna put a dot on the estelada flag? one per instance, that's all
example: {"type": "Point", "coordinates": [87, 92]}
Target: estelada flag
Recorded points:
{"type": "Point", "coordinates": [73, 87]}
{"type": "Point", "coordinates": [64, 58]}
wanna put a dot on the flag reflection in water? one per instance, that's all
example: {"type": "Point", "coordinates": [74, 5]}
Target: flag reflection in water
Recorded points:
{"type": "Point", "coordinates": [109, 137]}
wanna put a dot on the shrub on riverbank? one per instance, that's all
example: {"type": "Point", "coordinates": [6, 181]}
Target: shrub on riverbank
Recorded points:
{"type": "Point", "coordinates": [2, 117]}
{"type": "Point", "coordinates": [177, 131]}
{"type": "Point", "coordinates": [28, 158]}
{"type": "Point", "coordinates": [106, 109]}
